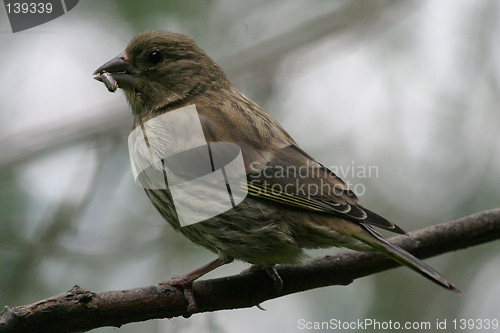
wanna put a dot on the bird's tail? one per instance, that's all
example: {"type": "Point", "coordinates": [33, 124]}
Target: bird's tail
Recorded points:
{"type": "Point", "coordinates": [376, 241]}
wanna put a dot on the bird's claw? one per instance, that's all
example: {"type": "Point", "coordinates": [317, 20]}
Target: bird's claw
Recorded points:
{"type": "Point", "coordinates": [277, 281]}
{"type": "Point", "coordinates": [186, 283]}
{"type": "Point", "coordinates": [271, 272]}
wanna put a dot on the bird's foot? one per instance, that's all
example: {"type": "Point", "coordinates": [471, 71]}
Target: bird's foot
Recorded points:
{"type": "Point", "coordinates": [277, 281]}
{"type": "Point", "coordinates": [271, 272]}
{"type": "Point", "coordinates": [184, 282]}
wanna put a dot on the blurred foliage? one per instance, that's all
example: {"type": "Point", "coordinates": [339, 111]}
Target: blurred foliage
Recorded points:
{"type": "Point", "coordinates": [409, 87]}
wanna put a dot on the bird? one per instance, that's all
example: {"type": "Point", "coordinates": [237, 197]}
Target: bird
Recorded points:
{"type": "Point", "coordinates": [161, 72]}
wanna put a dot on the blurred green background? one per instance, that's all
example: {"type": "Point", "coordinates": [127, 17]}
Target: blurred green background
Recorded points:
{"type": "Point", "coordinates": [410, 88]}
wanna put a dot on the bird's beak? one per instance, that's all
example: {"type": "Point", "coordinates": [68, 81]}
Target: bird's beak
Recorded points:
{"type": "Point", "coordinates": [121, 72]}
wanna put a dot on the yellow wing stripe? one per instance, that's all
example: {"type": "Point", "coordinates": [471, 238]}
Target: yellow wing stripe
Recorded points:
{"type": "Point", "coordinates": [284, 197]}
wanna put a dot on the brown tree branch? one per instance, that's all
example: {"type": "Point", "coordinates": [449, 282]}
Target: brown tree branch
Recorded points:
{"type": "Point", "coordinates": [82, 310]}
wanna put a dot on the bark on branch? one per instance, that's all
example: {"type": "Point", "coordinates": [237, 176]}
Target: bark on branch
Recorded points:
{"type": "Point", "coordinates": [83, 310]}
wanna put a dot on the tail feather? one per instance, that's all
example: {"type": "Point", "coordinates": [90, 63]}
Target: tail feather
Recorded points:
{"type": "Point", "coordinates": [375, 240]}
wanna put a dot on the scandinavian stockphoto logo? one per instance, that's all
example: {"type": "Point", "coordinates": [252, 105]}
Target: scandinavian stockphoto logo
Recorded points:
{"type": "Point", "coordinates": [28, 14]}
{"type": "Point", "coordinates": [204, 179]}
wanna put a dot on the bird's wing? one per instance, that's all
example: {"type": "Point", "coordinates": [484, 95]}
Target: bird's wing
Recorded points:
{"type": "Point", "coordinates": [290, 176]}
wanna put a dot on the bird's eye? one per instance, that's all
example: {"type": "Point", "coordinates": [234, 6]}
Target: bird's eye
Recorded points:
{"type": "Point", "coordinates": [155, 57]}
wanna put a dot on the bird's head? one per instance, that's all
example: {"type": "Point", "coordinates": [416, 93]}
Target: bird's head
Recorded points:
{"type": "Point", "coordinates": [159, 69]}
